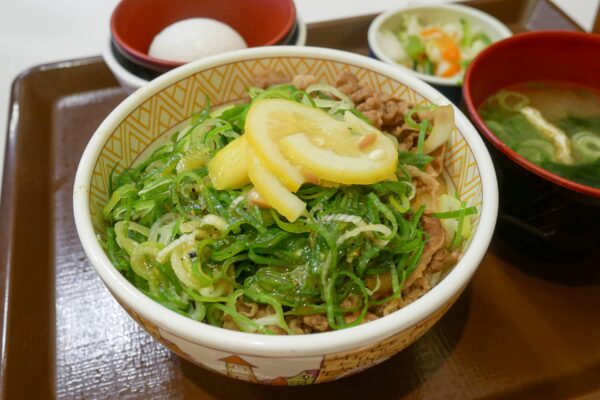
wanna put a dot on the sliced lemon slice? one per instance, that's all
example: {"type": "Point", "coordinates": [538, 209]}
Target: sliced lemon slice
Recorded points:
{"type": "Point", "coordinates": [378, 164]}
{"type": "Point", "coordinates": [228, 169]}
{"type": "Point", "coordinates": [270, 188]}
{"type": "Point", "coordinates": [268, 121]}
{"type": "Point", "coordinates": [350, 141]}
{"type": "Point", "coordinates": [295, 143]}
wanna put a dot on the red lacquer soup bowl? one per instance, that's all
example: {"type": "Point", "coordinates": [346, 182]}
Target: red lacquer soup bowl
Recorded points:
{"type": "Point", "coordinates": [547, 216]}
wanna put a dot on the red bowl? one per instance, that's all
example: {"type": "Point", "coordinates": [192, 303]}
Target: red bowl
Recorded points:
{"type": "Point", "coordinates": [570, 57]}
{"type": "Point", "coordinates": [541, 214]}
{"type": "Point", "coordinates": [134, 23]}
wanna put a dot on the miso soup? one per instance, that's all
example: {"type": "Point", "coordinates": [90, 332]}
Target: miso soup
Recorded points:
{"type": "Point", "coordinates": [554, 125]}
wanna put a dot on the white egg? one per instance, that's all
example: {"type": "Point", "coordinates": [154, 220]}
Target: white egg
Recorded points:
{"type": "Point", "coordinates": [194, 38]}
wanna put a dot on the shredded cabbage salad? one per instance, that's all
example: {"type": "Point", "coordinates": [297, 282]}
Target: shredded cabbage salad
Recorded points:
{"type": "Point", "coordinates": [200, 251]}
{"type": "Point", "coordinates": [443, 50]}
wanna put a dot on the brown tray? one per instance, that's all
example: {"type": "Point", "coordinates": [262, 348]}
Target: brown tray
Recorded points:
{"type": "Point", "coordinates": [521, 329]}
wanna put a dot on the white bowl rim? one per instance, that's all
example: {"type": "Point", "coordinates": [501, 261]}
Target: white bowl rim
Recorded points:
{"type": "Point", "coordinates": [302, 31]}
{"type": "Point", "coordinates": [473, 13]}
{"type": "Point", "coordinates": [130, 79]}
{"type": "Point", "coordinates": [297, 345]}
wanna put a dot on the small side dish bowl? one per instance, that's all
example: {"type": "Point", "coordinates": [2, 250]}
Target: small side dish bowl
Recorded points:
{"type": "Point", "coordinates": [135, 23]}
{"type": "Point", "coordinates": [166, 102]}
{"type": "Point", "coordinates": [544, 214]}
{"type": "Point", "coordinates": [433, 14]}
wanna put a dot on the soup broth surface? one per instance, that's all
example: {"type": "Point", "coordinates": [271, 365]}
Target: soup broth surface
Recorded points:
{"type": "Point", "coordinates": [552, 124]}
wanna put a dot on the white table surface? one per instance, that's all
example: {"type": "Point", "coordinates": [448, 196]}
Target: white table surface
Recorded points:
{"type": "Point", "coordinates": [33, 32]}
